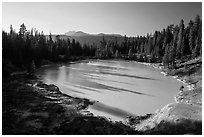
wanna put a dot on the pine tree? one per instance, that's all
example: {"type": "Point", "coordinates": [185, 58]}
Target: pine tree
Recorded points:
{"type": "Point", "coordinates": [11, 30]}
{"type": "Point", "coordinates": [125, 45]}
{"type": "Point", "coordinates": [196, 50]}
{"type": "Point", "coordinates": [190, 35]}
{"type": "Point", "coordinates": [191, 38]}
{"type": "Point", "coordinates": [159, 43]}
{"type": "Point", "coordinates": [187, 50]}
{"type": "Point", "coordinates": [22, 30]}
{"type": "Point", "coordinates": [172, 53]}
{"type": "Point", "coordinates": [116, 54]}
{"type": "Point", "coordinates": [199, 41]}
{"type": "Point", "coordinates": [195, 32]}
{"type": "Point", "coordinates": [180, 42]}
{"type": "Point", "coordinates": [150, 46]}
{"type": "Point", "coordinates": [101, 49]}
{"type": "Point", "coordinates": [130, 53]}
{"type": "Point", "coordinates": [167, 37]}
{"type": "Point", "coordinates": [166, 56]}
{"type": "Point", "coordinates": [32, 68]}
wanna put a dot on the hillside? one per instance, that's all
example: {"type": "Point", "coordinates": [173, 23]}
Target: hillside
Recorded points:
{"type": "Point", "coordinates": [89, 39]}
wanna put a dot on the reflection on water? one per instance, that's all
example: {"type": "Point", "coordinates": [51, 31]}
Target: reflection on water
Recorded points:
{"type": "Point", "coordinates": [122, 88]}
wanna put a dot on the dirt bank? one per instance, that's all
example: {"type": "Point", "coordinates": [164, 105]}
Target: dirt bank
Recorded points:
{"type": "Point", "coordinates": [185, 115]}
{"type": "Point", "coordinates": [32, 107]}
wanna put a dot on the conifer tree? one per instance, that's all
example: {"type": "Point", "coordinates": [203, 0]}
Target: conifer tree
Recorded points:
{"type": "Point", "coordinates": [196, 50]}
{"type": "Point", "coordinates": [22, 30]}
{"type": "Point", "coordinates": [116, 54]}
{"type": "Point", "coordinates": [32, 68]}
{"type": "Point", "coordinates": [166, 56]}
{"type": "Point", "coordinates": [130, 52]}
{"type": "Point", "coordinates": [180, 42]}
{"type": "Point", "coordinates": [172, 53]}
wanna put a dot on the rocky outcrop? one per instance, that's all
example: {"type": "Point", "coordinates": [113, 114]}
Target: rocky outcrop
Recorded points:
{"type": "Point", "coordinates": [193, 97]}
{"type": "Point", "coordinates": [173, 113]}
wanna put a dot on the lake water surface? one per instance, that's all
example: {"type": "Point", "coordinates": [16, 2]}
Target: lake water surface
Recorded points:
{"type": "Point", "coordinates": [122, 88]}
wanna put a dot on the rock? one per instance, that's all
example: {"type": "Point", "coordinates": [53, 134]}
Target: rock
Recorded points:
{"type": "Point", "coordinates": [42, 85]}
{"type": "Point", "coordinates": [54, 89]}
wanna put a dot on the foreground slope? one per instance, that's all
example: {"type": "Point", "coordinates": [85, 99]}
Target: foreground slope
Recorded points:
{"type": "Point", "coordinates": [185, 115]}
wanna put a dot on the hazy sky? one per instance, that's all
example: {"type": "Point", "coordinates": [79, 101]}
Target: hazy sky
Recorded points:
{"type": "Point", "coordinates": [131, 19]}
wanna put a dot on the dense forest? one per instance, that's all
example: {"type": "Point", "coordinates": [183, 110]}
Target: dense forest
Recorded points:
{"type": "Point", "coordinates": [172, 44]}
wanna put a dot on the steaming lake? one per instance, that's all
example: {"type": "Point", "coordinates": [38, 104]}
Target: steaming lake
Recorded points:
{"type": "Point", "coordinates": [122, 88]}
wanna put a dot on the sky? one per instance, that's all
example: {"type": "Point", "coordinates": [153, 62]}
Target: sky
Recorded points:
{"type": "Point", "coordinates": [131, 18]}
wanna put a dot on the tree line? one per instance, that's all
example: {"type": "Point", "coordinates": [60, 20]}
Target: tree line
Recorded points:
{"type": "Point", "coordinates": [168, 45]}
{"type": "Point", "coordinates": [176, 42]}
{"type": "Point", "coordinates": [30, 45]}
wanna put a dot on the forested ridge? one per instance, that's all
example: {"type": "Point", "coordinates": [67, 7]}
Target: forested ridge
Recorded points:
{"type": "Point", "coordinates": [174, 43]}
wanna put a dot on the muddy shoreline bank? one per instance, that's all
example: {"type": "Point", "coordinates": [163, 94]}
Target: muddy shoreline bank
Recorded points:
{"type": "Point", "coordinates": [58, 113]}
{"type": "Point", "coordinates": [188, 103]}
{"type": "Point", "coordinates": [34, 108]}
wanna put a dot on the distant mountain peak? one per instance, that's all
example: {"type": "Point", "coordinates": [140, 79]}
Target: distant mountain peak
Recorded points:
{"type": "Point", "coordinates": [76, 33]}
{"type": "Point", "coordinates": [100, 34]}
{"type": "Point", "coordinates": [81, 33]}
{"type": "Point", "coordinates": [103, 34]}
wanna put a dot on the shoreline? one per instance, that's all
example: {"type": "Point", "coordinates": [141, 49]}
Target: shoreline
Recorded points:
{"type": "Point", "coordinates": [137, 123]}
{"type": "Point", "coordinates": [38, 108]}
{"type": "Point", "coordinates": [124, 119]}
{"type": "Point", "coordinates": [159, 66]}
{"type": "Point", "coordinates": [186, 102]}
{"type": "Point", "coordinates": [155, 66]}
{"type": "Point", "coordinates": [190, 86]}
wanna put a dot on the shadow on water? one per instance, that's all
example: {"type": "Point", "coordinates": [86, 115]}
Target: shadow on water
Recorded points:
{"type": "Point", "coordinates": [107, 67]}
{"type": "Point", "coordinates": [108, 61]}
{"type": "Point", "coordinates": [110, 67]}
{"type": "Point", "coordinates": [126, 90]}
{"type": "Point", "coordinates": [62, 74]}
{"type": "Point", "coordinates": [91, 86]}
{"type": "Point", "coordinates": [76, 91]}
{"type": "Point", "coordinates": [98, 78]}
{"type": "Point", "coordinates": [86, 88]}
{"type": "Point", "coordinates": [125, 75]}
{"type": "Point", "coordinates": [111, 110]}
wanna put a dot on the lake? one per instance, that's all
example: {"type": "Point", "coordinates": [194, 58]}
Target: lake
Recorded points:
{"type": "Point", "coordinates": [121, 88]}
